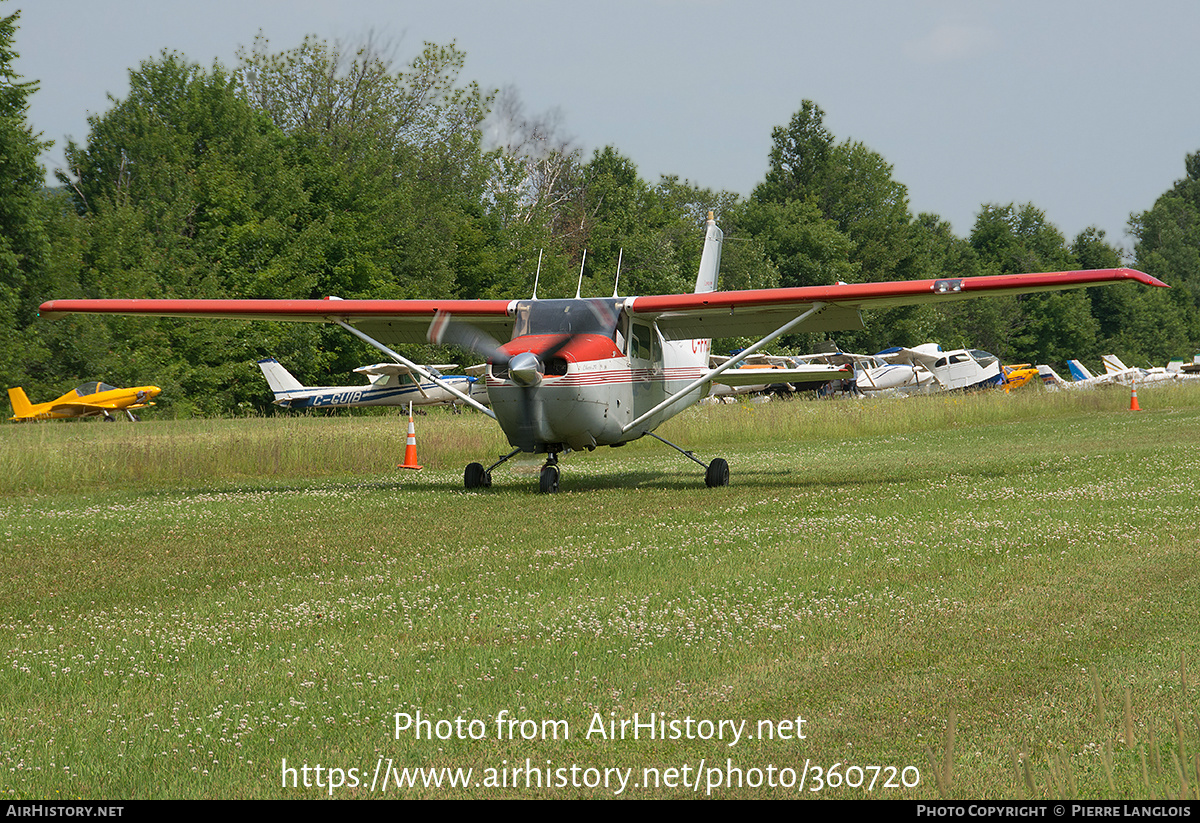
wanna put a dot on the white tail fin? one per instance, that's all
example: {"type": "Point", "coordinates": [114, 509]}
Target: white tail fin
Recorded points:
{"type": "Point", "coordinates": [1050, 376]}
{"type": "Point", "coordinates": [710, 260]}
{"type": "Point", "coordinates": [278, 378]}
{"type": "Point", "coordinates": [1113, 364]}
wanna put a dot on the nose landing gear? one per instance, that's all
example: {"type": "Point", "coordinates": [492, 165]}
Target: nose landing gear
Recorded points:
{"type": "Point", "coordinates": [548, 482]}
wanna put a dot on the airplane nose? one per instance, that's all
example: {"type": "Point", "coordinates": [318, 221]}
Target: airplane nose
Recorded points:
{"type": "Point", "coordinates": [525, 369]}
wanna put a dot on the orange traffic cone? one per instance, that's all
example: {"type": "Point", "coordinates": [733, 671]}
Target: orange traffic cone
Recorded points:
{"type": "Point", "coordinates": [1133, 404]}
{"type": "Point", "coordinates": [410, 445]}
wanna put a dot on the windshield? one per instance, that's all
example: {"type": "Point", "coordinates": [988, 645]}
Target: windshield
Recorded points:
{"type": "Point", "coordinates": [594, 316]}
{"type": "Point", "coordinates": [983, 358]}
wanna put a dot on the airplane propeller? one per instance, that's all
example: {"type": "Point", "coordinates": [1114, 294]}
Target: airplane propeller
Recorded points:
{"type": "Point", "coordinates": [525, 369]}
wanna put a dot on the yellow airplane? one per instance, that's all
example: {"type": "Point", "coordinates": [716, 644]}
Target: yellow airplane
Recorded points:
{"type": "Point", "coordinates": [1017, 376]}
{"type": "Point", "coordinates": [88, 400]}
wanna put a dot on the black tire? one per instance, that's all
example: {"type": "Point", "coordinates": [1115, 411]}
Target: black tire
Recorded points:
{"type": "Point", "coordinates": [717, 473]}
{"type": "Point", "coordinates": [475, 477]}
{"type": "Point", "coordinates": [548, 483]}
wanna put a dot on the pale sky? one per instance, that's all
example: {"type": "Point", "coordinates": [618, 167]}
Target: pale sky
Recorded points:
{"type": "Point", "coordinates": [1084, 108]}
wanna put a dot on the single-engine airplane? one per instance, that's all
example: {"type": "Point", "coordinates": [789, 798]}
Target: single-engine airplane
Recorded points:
{"type": "Point", "coordinates": [586, 372]}
{"type": "Point", "coordinates": [391, 384]}
{"type": "Point", "coordinates": [957, 369]}
{"type": "Point", "coordinates": [88, 400]}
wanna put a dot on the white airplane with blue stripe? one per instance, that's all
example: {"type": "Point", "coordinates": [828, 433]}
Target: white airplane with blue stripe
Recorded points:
{"type": "Point", "coordinates": [391, 384]}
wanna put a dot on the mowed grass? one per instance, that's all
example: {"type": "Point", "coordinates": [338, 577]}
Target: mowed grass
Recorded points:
{"type": "Point", "coordinates": [981, 596]}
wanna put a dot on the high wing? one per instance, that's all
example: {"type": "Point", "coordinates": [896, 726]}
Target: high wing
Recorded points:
{"type": "Point", "coordinates": [393, 322]}
{"type": "Point", "coordinates": [678, 316]}
{"type": "Point", "coordinates": [758, 312]}
{"type": "Point", "coordinates": [399, 369]}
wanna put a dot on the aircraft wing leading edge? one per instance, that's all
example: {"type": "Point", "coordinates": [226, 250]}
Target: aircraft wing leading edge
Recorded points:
{"type": "Point", "coordinates": [678, 316]}
{"type": "Point", "coordinates": [391, 321]}
{"type": "Point", "coordinates": [756, 312]}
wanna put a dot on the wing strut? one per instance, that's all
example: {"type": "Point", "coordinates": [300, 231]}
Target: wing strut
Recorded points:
{"type": "Point", "coordinates": [404, 361]}
{"type": "Point", "coordinates": [728, 364]}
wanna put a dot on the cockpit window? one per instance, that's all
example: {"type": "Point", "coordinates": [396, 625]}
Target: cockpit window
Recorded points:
{"type": "Point", "coordinates": [596, 316]}
{"type": "Point", "coordinates": [983, 358]}
{"type": "Point", "coordinates": [93, 388]}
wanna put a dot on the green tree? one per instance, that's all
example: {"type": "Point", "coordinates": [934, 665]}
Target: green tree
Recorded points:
{"type": "Point", "coordinates": [850, 185]}
{"type": "Point", "coordinates": [23, 211]}
{"type": "Point", "coordinates": [186, 191]}
{"type": "Point", "coordinates": [1048, 328]}
{"type": "Point", "coordinates": [1168, 247]}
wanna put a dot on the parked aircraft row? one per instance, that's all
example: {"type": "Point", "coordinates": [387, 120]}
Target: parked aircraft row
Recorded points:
{"type": "Point", "coordinates": [1115, 373]}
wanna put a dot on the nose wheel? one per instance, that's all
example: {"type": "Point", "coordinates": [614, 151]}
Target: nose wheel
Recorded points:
{"type": "Point", "coordinates": [548, 482]}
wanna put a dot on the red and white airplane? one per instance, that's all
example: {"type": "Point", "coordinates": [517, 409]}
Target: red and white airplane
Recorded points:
{"type": "Point", "coordinates": [580, 373]}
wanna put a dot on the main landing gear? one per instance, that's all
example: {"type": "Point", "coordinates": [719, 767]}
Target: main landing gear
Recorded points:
{"type": "Point", "coordinates": [716, 473]}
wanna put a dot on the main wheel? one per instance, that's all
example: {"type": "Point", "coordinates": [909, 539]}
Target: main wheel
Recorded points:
{"type": "Point", "coordinates": [548, 483]}
{"type": "Point", "coordinates": [717, 473]}
{"type": "Point", "coordinates": [476, 477]}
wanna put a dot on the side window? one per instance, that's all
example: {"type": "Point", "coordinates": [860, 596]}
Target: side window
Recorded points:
{"type": "Point", "coordinates": [640, 341]}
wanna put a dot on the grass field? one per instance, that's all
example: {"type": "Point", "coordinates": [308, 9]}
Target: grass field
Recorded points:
{"type": "Point", "coordinates": [980, 596]}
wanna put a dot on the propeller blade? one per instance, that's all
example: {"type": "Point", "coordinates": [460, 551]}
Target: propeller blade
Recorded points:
{"type": "Point", "coordinates": [444, 329]}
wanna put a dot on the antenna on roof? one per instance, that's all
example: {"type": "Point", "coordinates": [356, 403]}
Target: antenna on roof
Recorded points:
{"type": "Point", "coordinates": [537, 274]}
{"type": "Point", "coordinates": [617, 279]}
{"type": "Point", "coordinates": [579, 287]}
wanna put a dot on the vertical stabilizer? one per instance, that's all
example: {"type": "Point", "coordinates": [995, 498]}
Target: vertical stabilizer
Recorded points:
{"type": "Point", "coordinates": [1079, 371]}
{"type": "Point", "coordinates": [20, 403]}
{"type": "Point", "coordinates": [278, 378]}
{"type": "Point", "coordinates": [1050, 377]}
{"type": "Point", "coordinates": [1113, 364]}
{"type": "Point", "coordinates": [710, 260]}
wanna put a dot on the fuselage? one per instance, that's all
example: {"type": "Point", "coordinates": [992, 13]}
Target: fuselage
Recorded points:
{"type": "Point", "coordinates": [610, 370]}
{"type": "Point", "coordinates": [329, 397]}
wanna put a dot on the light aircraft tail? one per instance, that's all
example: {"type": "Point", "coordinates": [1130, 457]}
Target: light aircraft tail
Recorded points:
{"type": "Point", "coordinates": [1079, 371]}
{"type": "Point", "coordinates": [279, 379]}
{"type": "Point", "coordinates": [710, 259]}
{"type": "Point", "coordinates": [1113, 364]}
{"type": "Point", "coordinates": [1050, 377]}
{"type": "Point", "coordinates": [20, 403]}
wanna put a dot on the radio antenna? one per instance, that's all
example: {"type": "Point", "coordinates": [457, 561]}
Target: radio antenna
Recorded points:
{"type": "Point", "coordinates": [617, 279]}
{"type": "Point", "coordinates": [537, 274]}
{"type": "Point", "coordinates": [579, 287]}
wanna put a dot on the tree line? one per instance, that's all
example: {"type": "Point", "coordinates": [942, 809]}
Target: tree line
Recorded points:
{"type": "Point", "coordinates": [325, 170]}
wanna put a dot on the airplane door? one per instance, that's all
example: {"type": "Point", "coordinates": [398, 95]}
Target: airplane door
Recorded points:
{"type": "Point", "coordinates": [646, 362]}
